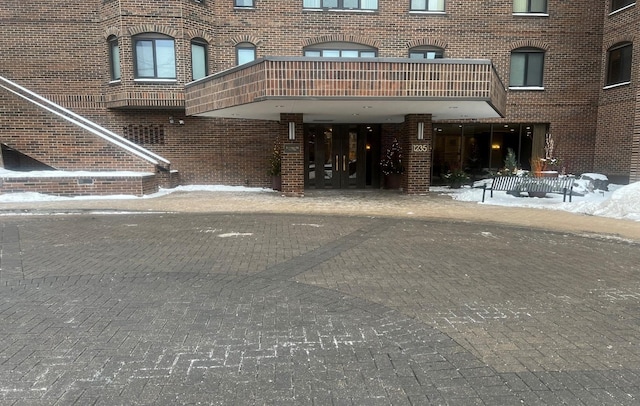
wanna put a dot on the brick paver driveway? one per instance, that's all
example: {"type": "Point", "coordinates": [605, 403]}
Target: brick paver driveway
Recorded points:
{"type": "Point", "coordinates": [306, 309]}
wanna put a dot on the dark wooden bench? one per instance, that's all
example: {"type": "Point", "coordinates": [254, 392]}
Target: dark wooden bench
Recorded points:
{"type": "Point", "coordinates": [516, 185]}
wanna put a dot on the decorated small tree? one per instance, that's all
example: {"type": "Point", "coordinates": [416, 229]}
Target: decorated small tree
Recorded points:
{"type": "Point", "coordinates": [392, 161]}
{"type": "Point", "coordinates": [275, 160]}
{"type": "Point", "coordinates": [510, 164]}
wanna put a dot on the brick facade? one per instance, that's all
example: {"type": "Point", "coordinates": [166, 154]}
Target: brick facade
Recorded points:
{"type": "Point", "coordinates": [61, 52]}
{"type": "Point", "coordinates": [616, 148]}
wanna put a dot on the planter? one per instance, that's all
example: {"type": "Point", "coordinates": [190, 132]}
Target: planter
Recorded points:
{"type": "Point", "coordinates": [537, 194]}
{"type": "Point", "coordinates": [392, 181]}
{"type": "Point", "coordinates": [276, 182]}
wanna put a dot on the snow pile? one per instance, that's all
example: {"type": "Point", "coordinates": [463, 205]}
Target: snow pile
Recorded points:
{"type": "Point", "coordinates": [624, 203]}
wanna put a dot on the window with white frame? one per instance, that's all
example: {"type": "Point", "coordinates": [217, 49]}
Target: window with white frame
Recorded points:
{"type": "Point", "coordinates": [199, 60]}
{"type": "Point", "coordinates": [245, 53]}
{"type": "Point", "coordinates": [427, 5]}
{"type": "Point", "coordinates": [154, 57]}
{"type": "Point", "coordinates": [426, 52]}
{"type": "Point", "coordinates": [114, 58]}
{"type": "Point", "coordinates": [341, 4]}
{"type": "Point", "coordinates": [530, 6]}
{"type": "Point", "coordinates": [619, 4]}
{"type": "Point", "coordinates": [340, 50]}
{"type": "Point", "coordinates": [243, 3]}
{"type": "Point", "coordinates": [619, 64]}
{"type": "Point", "coordinates": [527, 67]}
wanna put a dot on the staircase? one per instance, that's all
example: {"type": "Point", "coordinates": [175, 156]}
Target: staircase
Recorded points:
{"type": "Point", "coordinates": [90, 180]}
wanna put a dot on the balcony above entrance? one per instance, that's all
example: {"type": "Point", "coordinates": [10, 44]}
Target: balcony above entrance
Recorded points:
{"type": "Point", "coordinates": [366, 90]}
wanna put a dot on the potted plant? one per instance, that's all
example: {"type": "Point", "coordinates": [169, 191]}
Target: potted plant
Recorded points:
{"type": "Point", "coordinates": [456, 178]}
{"type": "Point", "coordinates": [275, 167]}
{"type": "Point", "coordinates": [391, 165]}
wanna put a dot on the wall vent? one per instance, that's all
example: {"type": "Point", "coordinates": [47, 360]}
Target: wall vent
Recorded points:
{"type": "Point", "coordinates": [144, 135]}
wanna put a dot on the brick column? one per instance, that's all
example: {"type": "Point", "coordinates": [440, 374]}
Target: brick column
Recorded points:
{"type": "Point", "coordinates": [417, 154]}
{"type": "Point", "coordinates": [292, 156]}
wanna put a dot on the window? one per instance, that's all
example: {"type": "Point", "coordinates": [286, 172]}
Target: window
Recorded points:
{"type": "Point", "coordinates": [114, 58]}
{"type": "Point", "coordinates": [243, 3]}
{"type": "Point", "coordinates": [245, 53]}
{"type": "Point", "coordinates": [530, 6]}
{"type": "Point", "coordinates": [340, 53]}
{"type": "Point", "coordinates": [527, 66]}
{"type": "Point", "coordinates": [426, 53]}
{"type": "Point", "coordinates": [340, 50]}
{"type": "Point", "coordinates": [618, 4]}
{"type": "Point", "coordinates": [619, 64]}
{"type": "Point", "coordinates": [427, 5]}
{"type": "Point", "coordinates": [199, 64]}
{"type": "Point", "coordinates": [341, 4]}
{"type": "Point", "coordinates": [155, 57]}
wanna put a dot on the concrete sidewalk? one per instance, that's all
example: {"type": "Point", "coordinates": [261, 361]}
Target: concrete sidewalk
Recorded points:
{"type": "Point", "coordinates": [350, 203]}
{"type": "Point", "coordinates": [335, 299]}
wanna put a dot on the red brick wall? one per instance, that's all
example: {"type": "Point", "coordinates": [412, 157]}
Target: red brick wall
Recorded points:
{"type": "Point", "coordinates": [82, 186]}
{"type": "Point", "coordinates": [615, 154]}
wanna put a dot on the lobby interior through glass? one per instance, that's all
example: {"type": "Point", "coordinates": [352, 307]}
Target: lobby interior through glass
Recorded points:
{"type": "Point", "coordinates": [480, 148]}
{"type": "Point", "coordinates": [343, 156]}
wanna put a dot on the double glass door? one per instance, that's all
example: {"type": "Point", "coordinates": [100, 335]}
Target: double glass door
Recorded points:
{"type": "Point", "coordinates": [340, 156]}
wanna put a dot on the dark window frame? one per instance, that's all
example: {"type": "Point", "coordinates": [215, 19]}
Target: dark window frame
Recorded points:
{"type": "Point", "coordinates": [619, 60]}
{"type": "Point", "coordinates": [620, 4]}
{"type": "Point", "coordinates": [246, 45]}
{"type": "Point", "coordinates": [235, 4]}
{"type": "Point", "coordinates": [527, 52]}
{"type": "Point", "coordinates": [153, 38]}
{"type": "Point", "coordinates": [426, 7]}
{"type": "Point", "coordinates": [529, 6]}
{"type": "Point", "coordinates": [425, 50]}
{"type": "Point", "coordinates": [115, 72]}
{"type": "Point", "coordinates": [327, 5]}
{"type": "Point", "coordinates": [341, 51]}
{"type": "Point", "coordinates": [201, 43]}
{"type": "Point", "coordinates": [341, 48]}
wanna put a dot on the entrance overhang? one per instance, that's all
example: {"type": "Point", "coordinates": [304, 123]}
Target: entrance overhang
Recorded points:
{"type": "Point", "coordinates": [367, 90]}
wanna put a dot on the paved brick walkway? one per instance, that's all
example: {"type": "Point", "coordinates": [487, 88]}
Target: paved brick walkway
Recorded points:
{"type": "Point", "coordinates": [303, 308]}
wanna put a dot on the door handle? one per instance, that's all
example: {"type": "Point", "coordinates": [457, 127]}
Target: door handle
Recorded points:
{"type": "Point", "coordinates": [337, 164]}
{"type": "Point", "coordinates": [344, 163]}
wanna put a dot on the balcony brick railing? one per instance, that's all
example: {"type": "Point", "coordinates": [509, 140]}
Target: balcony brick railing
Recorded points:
{"type": "Point", "coordinates": [273, 78]}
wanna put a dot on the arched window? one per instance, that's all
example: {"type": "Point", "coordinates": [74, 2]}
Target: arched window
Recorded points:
{"type": "Point", "coordinates": [527, 67]}
{"type": "Point", "coordinates": [245, 53]}
{"type": "Point", "coordinates": [340, 50]}
{"type": "Point", "coordinates": [426, 52]}
{"type": "Point", "coordinates": [199, 60]}
{"type": "Point", "coordinates": [114, 58]}
{"type": "Point", "coordinates": [154, 56]}
{"type": "Point", "coordinates": [619, 64]}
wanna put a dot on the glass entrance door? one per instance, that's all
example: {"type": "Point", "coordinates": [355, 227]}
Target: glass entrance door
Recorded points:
{"type": "Point", "coordinates": [336, 156]}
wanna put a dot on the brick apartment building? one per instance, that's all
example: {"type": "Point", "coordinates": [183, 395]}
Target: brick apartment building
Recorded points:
{"type": "Point", "coordinates": [202, 91]}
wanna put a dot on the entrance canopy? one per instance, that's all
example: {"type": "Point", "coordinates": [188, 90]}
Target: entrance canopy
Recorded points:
{"type": "Point", "coordinates": [362, 90]}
